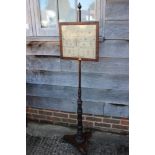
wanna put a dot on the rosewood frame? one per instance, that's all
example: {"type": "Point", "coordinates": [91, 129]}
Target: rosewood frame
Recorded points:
{"type": "Point", "coordinates": [80, 23]}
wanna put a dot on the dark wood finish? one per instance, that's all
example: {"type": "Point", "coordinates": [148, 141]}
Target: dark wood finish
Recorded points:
{"type": "Point", "coordinates": [80, 139]}
{"type": "Point", "coordinates": [79, 135]}
{"type": "Point", "coordinates": [80, 23]}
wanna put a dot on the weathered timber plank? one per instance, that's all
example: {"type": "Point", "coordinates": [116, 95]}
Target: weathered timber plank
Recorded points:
{"type": "Point", "coordinates": [42, 38]}
{"type": "Point", "coordinates": [96, 108]}
{"type": "Point", "coordinates": [116, 110]}
{"type": "Point", "coordinates": [43, 63]}
{"type": "Point", "coordinates": [117, 10]}
{"type": "Point", "coordinates": [105, 65]}
{"type": "Point", "coordinates": [88, 94]}
{"type": "Point", "coordinates": [44, 48]}
{"type": "Point", "coordinates": [114, 49]}
{"type": "Point", "coordinates": [108, 48]}
{"type": "Point", "coordinates": [51, 103]}
{"type": "Point", "coordinates": [117, 30]}
{"type": "Point", "coordinates": [89, 80]}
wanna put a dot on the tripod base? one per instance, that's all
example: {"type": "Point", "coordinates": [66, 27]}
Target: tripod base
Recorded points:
{"type": "Point", "coordinates": [81, 146]}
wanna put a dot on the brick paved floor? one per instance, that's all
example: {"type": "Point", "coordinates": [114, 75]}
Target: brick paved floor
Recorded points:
{"type": "Point", "coordinates": [45, 139]}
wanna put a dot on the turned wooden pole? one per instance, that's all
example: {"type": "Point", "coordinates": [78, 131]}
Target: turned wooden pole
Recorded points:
{"type": "Point", "coordinates": [79, 135]}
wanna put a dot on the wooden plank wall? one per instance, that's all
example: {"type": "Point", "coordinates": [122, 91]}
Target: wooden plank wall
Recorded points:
{"type": "Point", "coordinates": [52, 82]}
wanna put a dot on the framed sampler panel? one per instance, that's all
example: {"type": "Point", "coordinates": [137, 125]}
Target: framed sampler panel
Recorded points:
{"type": "Point", "coordinates": [79, 40]}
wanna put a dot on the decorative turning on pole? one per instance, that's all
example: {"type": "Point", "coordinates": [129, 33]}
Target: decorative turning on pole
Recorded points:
{"type": "Point", "coordinates": [80, 139]}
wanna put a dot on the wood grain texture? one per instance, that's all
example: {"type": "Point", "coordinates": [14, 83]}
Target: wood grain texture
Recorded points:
{"type": "Point", "coordinates": [114, 49]}
{"type": "Point", "coordinates": [117, 10]}
{"type": "Point", "coordinates": [44, 48]}
{"type": "Point", "coordinates": [88, 94]}
{"type": "Point", "coordinates": [96, 80]}
{"type": "Point", "coordinates": [70, 79]}
{"type": "Point", "coordinates": [105, 65]}
{"type": "Point", "coordinates": [51, 103]}
{"type": "Point", "coordinates": [117, 30]}
{"type": "Point", "coordinates": [118, 111]}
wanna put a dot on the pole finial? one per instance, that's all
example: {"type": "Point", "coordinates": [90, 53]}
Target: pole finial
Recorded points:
{"type": "Point", "coordinates": [79, 6]}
